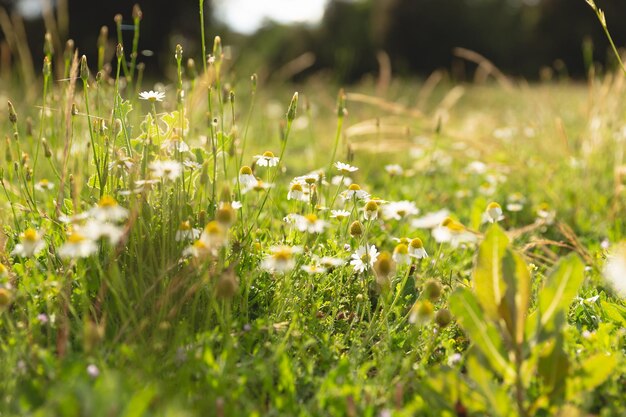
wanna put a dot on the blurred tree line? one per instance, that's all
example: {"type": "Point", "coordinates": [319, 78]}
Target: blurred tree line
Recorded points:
{"type": "Point", "coordinates": [518, 36]}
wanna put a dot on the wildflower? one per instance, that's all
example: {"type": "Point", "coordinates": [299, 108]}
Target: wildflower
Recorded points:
{"type": "Point", "coordinates": [93, 371]}
{"type": "Point", "coordinates": [186, 232]}
{"type": "Point", "coordinates": [281, 259]}
{"type": "Point", "coordinates": [313, 269]}
{"type": "Point", "coordinates": [615, 269]}
{"type": "Point", "coordinates": [356, 228]}
{"type": "Point", "coordinates": [394, 170]}
{"type": "Point", "coordinates": [191, 165]}
{"type": "Point", "coordinates": [31, 243]}
{"type": "Point", "coordinates": [169, 170]}
{"type": "Point", "coordinates": [364, 257]}
{"type": "Point", "coordinates": [296, 192]}
{"type": "Point", "coordinates": [339, 214]}
{"type": "Point", "coordinates": [260, 186]}
{"type": "Point", "coordinates": [453, 232]}
{"type": "Point", "coordinates": [267, 159]}
{"type": "Point", "coordinates": [44, 185]}
{"type": "Point", "coordinates": [345, 168]}
{"type": "Point", "coordinates": [370, 211]}
{"type": "Point", "coordinates": [430, 220]}
{"type": "Point", "coordinates": [416, 249]}
{"type": "Point", "coordinates": [214, 235]}
{"type": "Point", "coordinates": [226, 214]}
{"type": "Point", "coordinates": [383, 267]}
{"type": "Point", "coordinates": [310, 223]}
{"type": "Point", "coordinates": [401, 254]}
{"type": "Point", "coordinates": [108, 210]}
{"type": "Point", "coordinates": [152, 96]}
{"type": "Point", "coordinates": [246, 178]}
{"type": "Point", "coordinates": [4, 272]}
{"type": "Point", "coordinates": [421, 312]}
{"type": "Point", "coordinates": [95, 229]}
{"type": "Point", "coordinates": [476, 167]}
{"type": "Point", "coordinates": [443, 318]}
{"type": "Point", "coordinates": [493, 213]}
{"type": "Point", "coordinates": [397, 210]}
{"type": "Point", "coordinates": [174, 145]}
{"type": "Point", "coordinates": [77, 246]}
{"type": "Point", "coordinates": [331, 262]}
{"type": "Point", "coordinates": [43, 318]}
{"type": "Point", "coordinates": [545, 214]}
{"type": "Point", "coordinates": [515, 202]}
{"type": "Point", "coordinates": [354, 191]}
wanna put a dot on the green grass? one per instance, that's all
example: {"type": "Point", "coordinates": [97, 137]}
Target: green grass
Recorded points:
{"type": "Point", "coordinates": [142, 327]}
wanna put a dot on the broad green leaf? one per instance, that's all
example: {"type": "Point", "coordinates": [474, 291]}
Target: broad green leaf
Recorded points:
{"type": "Point", "coordinates": [593, 372]}
{"type": "Point", "coordinates": [514, 307]}
{"type": "Point", "coordinates": [615, 312]}
{"type": "Point", "coordinates": [560, 289]}
{"type": "Point", "coordinates": [497, 398]}
{"type": "Point", "coordinates": [482, 332]}
{"type": "Point", "coordinates": [553, 367]}
{"type": "Point", "coordinates": [477, 212]}
{"type": "Point", "coordinates": [488, 281]}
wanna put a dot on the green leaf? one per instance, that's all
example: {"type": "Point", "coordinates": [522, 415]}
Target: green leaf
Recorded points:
{"type": "Point", "coordinates": [483, 333]}
{"type": "Point", "coordinates": [488, 280]}
{"type": "Point", "coordinates": [553, 367]}
{"type": "Point", "coordinates": [596, 369]}
{"type": "Point", "coordinates": [497, 397]}
{"type": "Point", "coordinates": [514, 307]}
{"type": "Point", "coordinates": [615, 312]}
{"type": "Point", "coordinates": [560, 289]}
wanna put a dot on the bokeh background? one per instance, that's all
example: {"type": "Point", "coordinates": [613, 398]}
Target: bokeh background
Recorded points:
{"type": "Point", "coordinates": [295, 39]}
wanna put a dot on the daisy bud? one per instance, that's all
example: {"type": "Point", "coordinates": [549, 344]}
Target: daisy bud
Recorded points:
{"type": "Point", "coordinates": [103, 37]}
{"type": "Point", "coordinates": [46, 70]}
{"type": "Point", "coordinates": [118, 19]}
{"type": "Point", "coordinates": [46, 148]}
{"type": "Point", "coordinates": [217, 49]}
{"type": "Point", "coordinates": [443, 318]}
{"type": "Point", "coordinates": [192, 72]}
{"type": "Point", "coordinates": [179, 52]}
{"type": "Point", "coordinates": [84, 69]}
{"type": "Point", "coordinates": [356, 228]}
{"type": "Point", "coordinates": [494, 212]}
{"type": "Point", "coordinates": [137, 13]}
{"type": "Point", "coordinates": [291, 112]}
{"type": "Point", "coordinates": [12, 114]}
{"type": "Point", "coordinates": [48, 47]}
{"type": "Point", "coordinates": [119, 52]}
{"type": "Point", "coordinates": [383, 267]}
{"type": "Point", "coordinates": [69, 50]}
{"type": "Point", "coordinates": [314, 195]}
{"type": "Point", "coordinates": [341, 104]}
{"type": "Point", "coordinates": [226, 215]}
{"type": "Point", "coordinates": [432, 290]}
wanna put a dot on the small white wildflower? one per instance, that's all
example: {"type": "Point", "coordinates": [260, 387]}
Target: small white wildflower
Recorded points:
{"type": "Point", "coordinates": [314, 269]}
{"type": "Point", "coordinates": [493, 213]}
{"type": "Point", "coordinates": [339, 214]}
{"type": "Point", "coordinates": [416, 249]}
{"type": "Point", "coordinates": [169, 170]}
{"type": "Point", "coordinates": [44, 185]}
{"type": "Point", "coordinates": [430, 220]}
{"type": "Point", "coordinates": [401, 254]}
{"type": "Point", "coordinates": [394, 170]}
{"type": "Point", "coordinates": [31, 243]}
{"type": "Point", "coordinates": [398, 210]}
{"type": "Point", "coordinates": [246, 178]}
{"type": "Point", "coordinates": [267, 159]}
{"type": "Point", "coordinates": [354, 191]}
{"type": "Point", "coordinates": [296, 192]}
{"type": "Point", "coordinates": [345, 168]}
{"type": "Point", "coordinates": [281, 259]}
{"type": "Point", "coordinates": [186, 232]}
{"type": "Point", "coordinates": [152, 96]}
{"type": "Point", "coordinates": [77, 246]}
{"type": "Point", "coordinates": [108, 210]}
{"type": "Point", "coordinates": [364, 257]}
{"type": "Point", "coordinates": [310, 224]}
{"type": "Point", "coordinates": [93, 371]}
{"type": "Point", "coordinates": [341, 180]}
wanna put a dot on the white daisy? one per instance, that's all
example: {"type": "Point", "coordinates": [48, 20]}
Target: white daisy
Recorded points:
{"type": "Point", "coordinates": [416, 249]}
{"type": "Point", "coordinates": [296, 192]}
{"type": "Point", "coordinates": [354, 191]}
{"type": "Point", "coordinates": [339, 214]}
{"type": "Point", "coordinates": [363, 258]}
{"type": "Point", "coordinates": [169, 170]}
{"type": "Point", "coordinates": [246, 178]}
{"type": "Point", "coordinates": [313, 269]}
{"type": "Point", "coordinates": [394, 170]}
{"type": "Point", "coordinates": [493, 213]}
{"type": "Point", "coordinates": [186, 232]}
{"type": "Point", "coordinates": [401, 254]}
{"type": "Point", "coordinates": [281, 259]}
{"type": "Point", "coordinates": [430, 220]}
{"type": "Point", "coordinates": [95, 229]}
{"type": "Point", "coordinates": [310, 224]}
{"type": "Point", "coordinates": [44, 185]}
{"type": "Point", "coordinates": [108, 210]}
{"type": "Point", "coordinates": [77, 246]}
{"type": "Point", "coordinates": [267, 159]}
{"type": "Point", "coordinates": [31, 243]}
{"type": "Point", "coordinates": [152, 96]}
{"type": "Point", "coordinates": [345, 168]}
{"type": "Point", "coordinates": [399, 209]}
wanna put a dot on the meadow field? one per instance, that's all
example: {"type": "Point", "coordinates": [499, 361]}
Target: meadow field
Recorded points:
{"type": "Point", "coordinates": [218, 245]}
